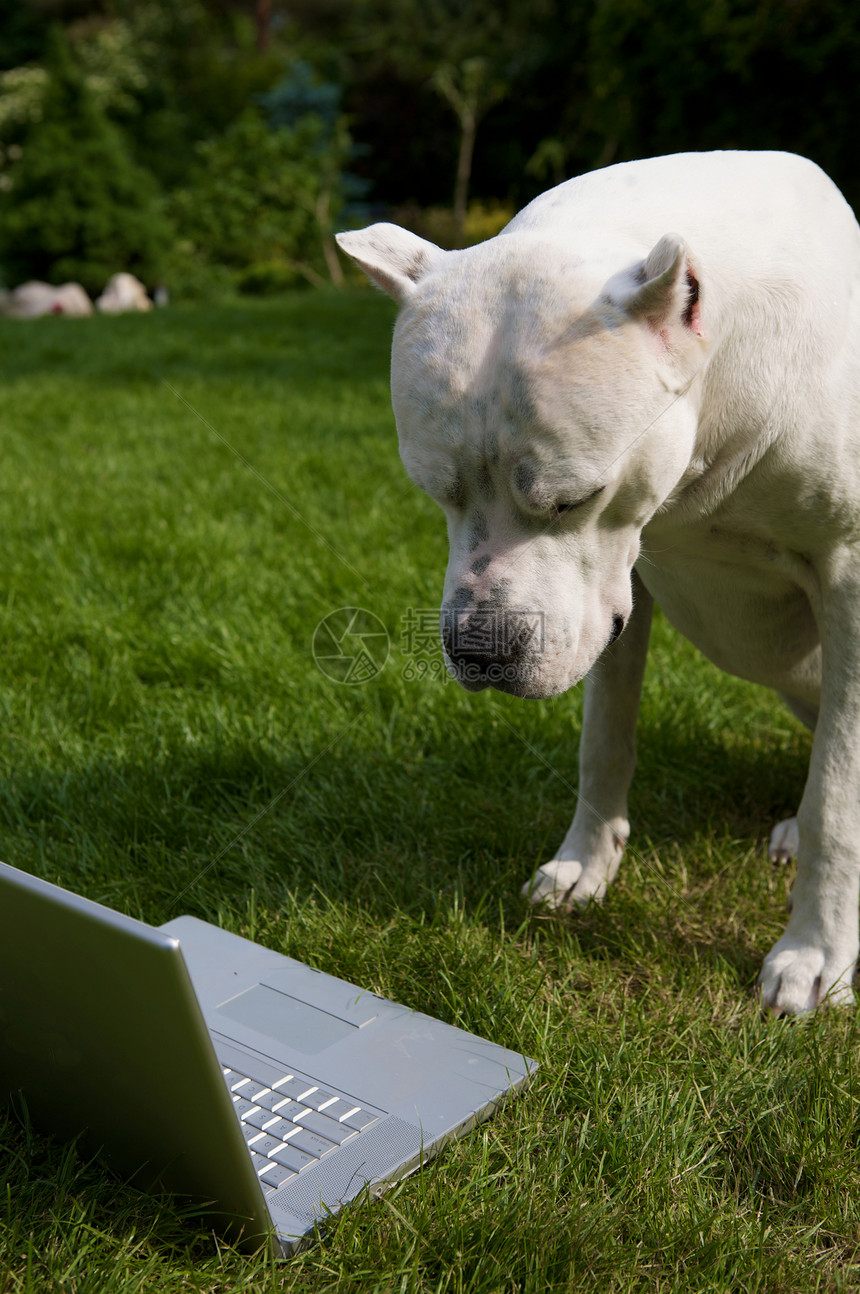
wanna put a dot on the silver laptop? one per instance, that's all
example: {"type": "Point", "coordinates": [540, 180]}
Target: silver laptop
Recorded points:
{"type": "Point", "coordinates": [198, 1062]}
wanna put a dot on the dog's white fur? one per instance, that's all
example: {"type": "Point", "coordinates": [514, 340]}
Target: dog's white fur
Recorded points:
{"type": "Point", "coordinates": [610, 412]}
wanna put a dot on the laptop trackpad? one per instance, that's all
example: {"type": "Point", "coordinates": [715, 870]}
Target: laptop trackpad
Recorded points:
{"type": "Point", "coordinates": [286, 1019]}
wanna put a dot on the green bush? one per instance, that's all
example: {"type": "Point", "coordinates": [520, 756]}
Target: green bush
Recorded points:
{"type": "Point", "coordinates": [266, 277]}
{"type": "Point", "coordinates": [439, 225]}
{"type": "Point", "coordinates": [261, 198]}
{"type": "Point", "coordinates": [78, 207]}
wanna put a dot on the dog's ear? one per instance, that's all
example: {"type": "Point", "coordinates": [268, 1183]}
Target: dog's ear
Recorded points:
{"type": "Point", "coordinates": [392, 257]}
{"type": "Point", "coordinates": [667, 296]}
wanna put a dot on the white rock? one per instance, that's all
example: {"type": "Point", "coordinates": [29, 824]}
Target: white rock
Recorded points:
{"type": "Point", "coordinates": [123, 292]}
{"type": "Point", "coordinates": [32, 299]}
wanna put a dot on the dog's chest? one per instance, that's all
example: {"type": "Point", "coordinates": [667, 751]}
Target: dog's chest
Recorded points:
{"type": "Point", "coordinates": [741, 600]}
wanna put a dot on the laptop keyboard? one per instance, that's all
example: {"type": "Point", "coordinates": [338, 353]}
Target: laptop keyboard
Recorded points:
{"type": "Point", "coordinates": [292, 1124]}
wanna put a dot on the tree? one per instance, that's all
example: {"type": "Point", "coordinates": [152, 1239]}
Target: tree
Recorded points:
{"type": "Point", "coordinates": [263, 198]}
{"type": "Point", "coordinates": [706, 74]}
{"type": "Point", "coordinates": [467, 54]}
{"type": "Point", "coordinates": [77, 207]}
{"type": "Point", "coordinates": [471, 90]}
{"type": "Point", "coordinates": [300, 96]}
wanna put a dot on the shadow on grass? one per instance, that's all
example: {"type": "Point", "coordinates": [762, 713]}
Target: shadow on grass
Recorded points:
{"type": "Point", "coordinates": [720, 780]}
{"type": "Point", "coordinates": [69, 1200]}
{"type": "Point", "coordinates": [365, 827]}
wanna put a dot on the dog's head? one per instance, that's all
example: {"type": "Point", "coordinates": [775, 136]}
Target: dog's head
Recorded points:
{"type": "Point", "coordinates": [543, 400]}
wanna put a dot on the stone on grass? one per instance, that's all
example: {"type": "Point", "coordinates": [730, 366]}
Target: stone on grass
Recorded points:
{"type": "Point", "coordinates": [123, 292]}
{"type": "Point", "coordinates": [30, 300]}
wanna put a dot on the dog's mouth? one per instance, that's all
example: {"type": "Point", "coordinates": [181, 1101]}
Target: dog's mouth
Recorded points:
{"type": "Point", "coordinates": [475, 676]}
{"type": "Point", "coordinates": [529, 683]}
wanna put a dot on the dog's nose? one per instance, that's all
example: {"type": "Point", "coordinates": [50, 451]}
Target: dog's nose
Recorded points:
{"type": "Point", "coordinates": [488, 643]}
{"type": "Point", "coordinates": [470, 638]}
{"type": "Point", "coordinates": [618, 623]}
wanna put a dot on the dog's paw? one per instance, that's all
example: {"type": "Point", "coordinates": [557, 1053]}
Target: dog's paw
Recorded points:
{"type": "Point", "coordinates": [567, 881]}
{"type": "Point", "coordinates": [783, 841]}
{"type": "Point", "coordinates": [551, 885]}
{"type": "Point", "coordinates": [797, 978]}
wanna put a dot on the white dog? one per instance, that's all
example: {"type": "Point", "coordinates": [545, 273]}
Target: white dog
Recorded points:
{"type": "Point", "coordinates": [610, 412]}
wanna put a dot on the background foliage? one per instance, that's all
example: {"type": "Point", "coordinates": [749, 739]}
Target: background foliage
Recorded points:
{"type": "Point", "coordinates": [79, 205]}
{"type": "Point", "coordinates": [404, 106]}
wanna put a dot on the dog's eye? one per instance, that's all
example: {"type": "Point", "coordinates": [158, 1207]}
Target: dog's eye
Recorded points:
{"type": "Point", "coordinates": [560, 508]}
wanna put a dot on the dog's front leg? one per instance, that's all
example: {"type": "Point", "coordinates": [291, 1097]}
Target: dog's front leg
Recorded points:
{"type": "Point", "coordinates": [814, 961]}
{"type": "Point", "coordinates": [591, 851]}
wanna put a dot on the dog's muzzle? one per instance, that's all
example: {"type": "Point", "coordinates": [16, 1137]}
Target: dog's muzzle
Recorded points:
{"type": "Point", "coordinates": [492, 646]}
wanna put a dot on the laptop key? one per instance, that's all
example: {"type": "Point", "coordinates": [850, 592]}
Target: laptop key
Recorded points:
{"type": "Point", "coordinates": [287, 1108]}
{"type": "Point", "coordinates": [337, 1108]}
{"type": "Point", "coordinates": [249, 1132]}
{"type": "Point", "coordinates": [333, 1131]}
{"type": "Point", "coordinates": [270, 1099]}
{"type": "Point", "coordinates": [319, 1098]}
{"type": "Point", "coordinates": [257, 1116]}
{"type": "Point", "coordinates": [258, 1162]}
{"type": "Point", "coordinates": [255, 1089]}
{"type": "Point", "coordinates": [359, 1119]}
{"type": "Point", "coordinates": [276, 1174]}
{"type": "Point", "coordinates": [241, 1106]}
{"type": "Point", "coordinates": [292, 1157]}
{"type": "Point", "coordinates": [298, 1088]}
{"type": "Point", "coordinates": [280, 1128]}
{"type": "Point", "coordinates": [264, 1145]}
{"type": "Point", "coordinates": [310, 1143]}
{"type": "Point", "coordinates": [281, 1081]}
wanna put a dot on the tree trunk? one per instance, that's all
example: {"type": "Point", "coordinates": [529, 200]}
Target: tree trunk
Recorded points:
{"type": "Point", "coordinates": [262, 20]}
{"type": "Point", "coordinates": [468, 130]}
{"type": "Point", "coordinates": [328, 244]}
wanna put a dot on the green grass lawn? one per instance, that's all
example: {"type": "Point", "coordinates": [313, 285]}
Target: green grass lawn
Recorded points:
{"type": "Point", "coordinates": [185, 496]}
